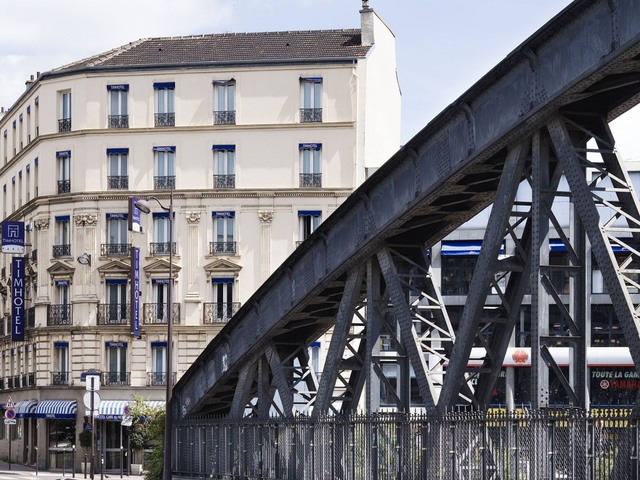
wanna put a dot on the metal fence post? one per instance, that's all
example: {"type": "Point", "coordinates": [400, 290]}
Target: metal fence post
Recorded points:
{"type": "Point", "coordinates": [453, 450]}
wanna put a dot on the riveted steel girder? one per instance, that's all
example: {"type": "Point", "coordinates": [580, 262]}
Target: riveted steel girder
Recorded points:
{"type": "Point", "coordinates": [585, 59]}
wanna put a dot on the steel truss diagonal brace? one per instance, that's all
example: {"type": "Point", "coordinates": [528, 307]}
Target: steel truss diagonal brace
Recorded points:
{"type": "Point", "coordinates": [338, 341]}
{"type": "Point", "coordinates": [242, 393]}
{"type": "Point", "coordinates": [483, 275]}
{"type": "Point", "coordinates": [280, 379]}
{"type": "Point", "coordinates": [601, 248]}
{"type": "Point", "coordinates": [407, 329]}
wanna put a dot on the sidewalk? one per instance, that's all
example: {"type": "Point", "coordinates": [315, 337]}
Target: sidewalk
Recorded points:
{"type": "Point", "coordinates": [21, 472]}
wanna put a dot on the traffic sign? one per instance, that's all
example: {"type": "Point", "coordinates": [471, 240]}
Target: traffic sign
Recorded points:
{"type": "Point", "coordinates": [86, 398]}
{"type": "Point", "coordinates": [9, 403]}
{"type": "Point", "coordinates": [10, 413]}
{"type": "Point", "coordinates": [10, 421]}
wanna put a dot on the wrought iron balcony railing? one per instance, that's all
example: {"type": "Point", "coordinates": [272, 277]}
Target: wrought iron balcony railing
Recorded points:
{"type": "Point", "coordinates": [162, 248]}
{"type": "Point", "coordinates": [220, 312]}
{"type": "Point", "coordinates": [164, 183]}
{"type": "Point", "coordinates": [60, 378]}
{"type": "Point", "coordinates": [310, 179]}
{"type": "Point", "coordinates": [64, 125]}
{"type": "Point", "coordinates": [224, 181]}
{"type": "Point", "coordinates": [157, 313]}
{"type": "Point", "coordinates": [59, 315]}
{"type": "Point", "coordinates": [62, 250]}
{"type": "Point", "coordinates": [116, 378]}
{"type": "Point", "coordinates": [224, 117]}
{"type": "Point", "coordinates": [115, 249]}
{"type": "Point", "coordinates": [118, 182]}
{"type": "Point", "coordinates": [165, 119]}
{"type": "Point", "coordinates": [30, 314]}
{"type": "Point", "coordinates": [221, 248]}
{"type": "Point", "coordinates": [113, 313]}
{"type": "Point", "coordinates": [118, 121]}
{"type": "Point", "coordinates": [157, 379]}
{"type": "Point", "coordinates": [310, 115]}
{"type": "Point", "coordinates": [64, 186]}
{"type": "Point", "coordinates": [31, 379]}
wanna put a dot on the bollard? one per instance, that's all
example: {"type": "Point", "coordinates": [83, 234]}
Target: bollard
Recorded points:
{"type": "Point", "coordinates": [85, 465]}
{"type": "Point", "coordinates": [73, 462]}
{"type": "Point", "coordinates": [121, 461]}
{"type": "Point", "coordinates": [36, 449]}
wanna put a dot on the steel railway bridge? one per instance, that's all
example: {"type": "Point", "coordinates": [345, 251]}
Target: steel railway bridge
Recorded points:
{"type": "Point", "coordinates": [541, 115]}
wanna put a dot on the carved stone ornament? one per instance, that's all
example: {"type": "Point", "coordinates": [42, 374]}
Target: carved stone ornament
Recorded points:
{"type": "Point", "coordinates": [85, 220]}
{"type": "Point", "coordinates": [41, 223]}
{"type": "Point", "coordinates": [193, 217]}
{"type": "Point", "coordinates": [265, 216]}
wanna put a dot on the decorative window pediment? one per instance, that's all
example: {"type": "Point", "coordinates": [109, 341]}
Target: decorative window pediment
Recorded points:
{"type": "Point", "coordinates": [60, 271]}
{"type": "Point", "coordinates": [115, 268]}
{"type": "Point", "coordinates": [222, 268]}
{"type": "Point", "coordinates": [160, 267]}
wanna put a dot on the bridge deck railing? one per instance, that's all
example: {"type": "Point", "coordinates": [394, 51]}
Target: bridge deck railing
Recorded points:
{"type": "Point", "coordinates": [568, 444]}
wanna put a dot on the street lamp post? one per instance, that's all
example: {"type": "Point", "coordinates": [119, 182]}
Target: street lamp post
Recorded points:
{"type": "Point", "coordinates": [144, 208]}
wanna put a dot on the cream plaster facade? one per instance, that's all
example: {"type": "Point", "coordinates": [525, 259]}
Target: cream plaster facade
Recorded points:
{"type": "Point", "coordinates": [358, 94]}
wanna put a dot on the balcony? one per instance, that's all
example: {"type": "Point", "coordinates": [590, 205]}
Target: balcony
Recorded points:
{"type": "Point", "coordinates": [222, 248]}
{"type": "Point", "coordinates": [162, 248]}
{"type": "Point", "coordinates": [62, 250]}
{"type": "Point", "coordinates": [118, 182]}
{"type": "Point", "coordinates": [116, 378]}
{"type": "Point", "coordinates": [60, 378]}
{"type": "Point", "coordinates": [64, 125]}
{"type": "Point", "coordinates": [113, 313]}
{"type": "Point", "coordinates": [30, 314]}
{"type": "Point", "coordinates": [309, 115]}
{"type": "Point", "coordinates": [224, 117]}
{"type": "Point", "coordinates": [165, 119]}
{"type": "Point", "coordinates": [164, 183]}
{"type": "Point", "coordinates": [220, 312]}
{"type": "Point", "coordinates": [64, 186]}
{"type": "Point", "coordinates": [310, 180]}
{"type": "Point", "coordinates": [224, 181]}
{"type": "Point", "coordinates": [118, 121]}
{"type": "Point", "coordinates": [59, 315]}
{"type": "Point", "coordinates": [115, 249]}
{"type": "Point", "coordinates": [157, 313]}
{"type": "Point", "coordinates": [158, 379]}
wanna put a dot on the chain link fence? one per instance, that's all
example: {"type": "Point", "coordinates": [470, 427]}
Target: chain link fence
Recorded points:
{"type": "Point", "coordinates": [567, 444]}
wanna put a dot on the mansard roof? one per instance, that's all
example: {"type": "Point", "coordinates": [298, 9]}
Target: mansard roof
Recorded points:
{"type": "Point", "coordinates": [230, 48]}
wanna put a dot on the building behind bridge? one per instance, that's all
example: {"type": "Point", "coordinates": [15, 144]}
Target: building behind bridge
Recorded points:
{"type": "Point", "coordinates": [259, 136]}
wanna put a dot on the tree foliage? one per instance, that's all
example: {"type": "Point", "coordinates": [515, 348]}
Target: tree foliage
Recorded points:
{"type": "Point", "coordinates": [147, 432]}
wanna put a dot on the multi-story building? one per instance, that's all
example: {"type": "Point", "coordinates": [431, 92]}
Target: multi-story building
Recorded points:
{"type": "Point", "coordinates": [255, 137]}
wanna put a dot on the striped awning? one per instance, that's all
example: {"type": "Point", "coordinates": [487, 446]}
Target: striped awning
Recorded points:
{"type": "Point", "coordinates": [114, 409]}
{"type": "Point", "coordinates": [26, 409]}
{"type": "Point", "coordinates": [56, 409]}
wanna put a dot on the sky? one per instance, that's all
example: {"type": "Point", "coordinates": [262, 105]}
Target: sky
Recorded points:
{"type": "Point", "coordinates": [443, 47]}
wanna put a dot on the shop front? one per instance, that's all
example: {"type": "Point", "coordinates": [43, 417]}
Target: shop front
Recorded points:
{"type": "Point", "coordinates": [113, 434]}
{"type": "Point", "coordinates": [60, 423]}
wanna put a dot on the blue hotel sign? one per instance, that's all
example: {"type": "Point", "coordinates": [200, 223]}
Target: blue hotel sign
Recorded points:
{"type": "Point", "coordinates": [17, 299]}
{"type": "Point", "coordinates": [12, 237]}
{"type": "Point", "coordinates": [135, 292]}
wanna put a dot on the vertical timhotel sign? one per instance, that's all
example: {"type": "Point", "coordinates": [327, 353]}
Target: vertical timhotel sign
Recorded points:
{"type": "Point", "coordinates": [135, 292]}
{"type": "Point", "coordinates": [17, 299]}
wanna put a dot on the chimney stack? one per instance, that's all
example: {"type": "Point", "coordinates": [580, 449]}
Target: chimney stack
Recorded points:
{"type": "Point", "coordinates": [366, 24]}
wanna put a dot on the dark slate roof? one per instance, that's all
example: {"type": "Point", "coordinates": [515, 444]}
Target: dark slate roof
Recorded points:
{"type": "Point", "coordinates": [230, 48]}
